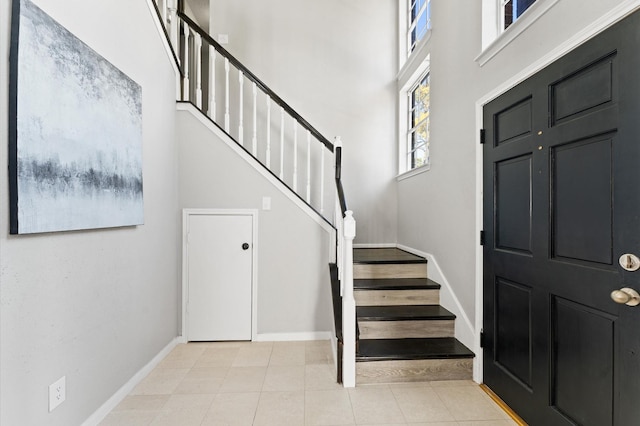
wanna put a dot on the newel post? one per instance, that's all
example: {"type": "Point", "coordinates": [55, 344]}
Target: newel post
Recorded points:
{"type": "Point", "coordinates": [348, 305]}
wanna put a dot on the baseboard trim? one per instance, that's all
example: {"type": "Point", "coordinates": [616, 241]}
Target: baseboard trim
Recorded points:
{"type": "Point", "coordinates": [292, 337]}
{"type": "Point", "coordinates": [117, 397]}
{"type": "Point", "coordinates": [514, 416]}
{"type": "Point", "coordinates": [465, 331]}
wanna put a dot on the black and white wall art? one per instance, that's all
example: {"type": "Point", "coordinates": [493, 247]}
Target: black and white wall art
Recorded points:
{"type": "Point", "coordinates": [75, 137]}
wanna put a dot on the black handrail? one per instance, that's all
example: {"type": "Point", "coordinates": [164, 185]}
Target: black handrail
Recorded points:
{"type": "Point", "coordinates": [341, 197]}
{"type": "Point", "coordinates": [251, 76]}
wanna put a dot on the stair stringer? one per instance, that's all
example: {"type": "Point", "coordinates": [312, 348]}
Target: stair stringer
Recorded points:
{"type": "Point", "coordinates": [294, 244]}
{"type": "Point", "coordinates": [464, 329]}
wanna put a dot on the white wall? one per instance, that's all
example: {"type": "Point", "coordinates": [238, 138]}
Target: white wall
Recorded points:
{"type": "Point", "coordinates": [335, 63]}
{"type": "Point", "coordinates": [94, 306]}
{"type": "Point", "coordinates": [294, 295]}
{"type": "Point", "coordinates": [436, 209]}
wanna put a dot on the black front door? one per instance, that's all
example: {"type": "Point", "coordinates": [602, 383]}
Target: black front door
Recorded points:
{"type": "Point", "coordinates": [561, 206]}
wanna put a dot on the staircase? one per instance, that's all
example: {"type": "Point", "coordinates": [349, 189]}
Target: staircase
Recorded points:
{"type": "Point", "coordinates": [404, 333]}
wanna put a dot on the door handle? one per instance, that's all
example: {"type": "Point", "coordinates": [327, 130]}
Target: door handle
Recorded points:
{"type": "Point", "coordinates": [627, 296]}
{"type": "Point", "coordinates": [245, 246]}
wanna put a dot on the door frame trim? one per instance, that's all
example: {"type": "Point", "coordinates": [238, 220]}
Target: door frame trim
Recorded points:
{"type": "Point", "coordinates": [253, 213]}
{"type": "Point", "coordinates": [615, 15]}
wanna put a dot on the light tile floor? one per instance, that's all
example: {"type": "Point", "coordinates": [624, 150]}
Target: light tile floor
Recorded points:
{"type": "Point", "coordinates": [289, 383]}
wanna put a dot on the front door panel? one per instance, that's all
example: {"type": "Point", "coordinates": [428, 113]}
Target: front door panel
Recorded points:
{"type": "Point", "coordinates": [561, 165]}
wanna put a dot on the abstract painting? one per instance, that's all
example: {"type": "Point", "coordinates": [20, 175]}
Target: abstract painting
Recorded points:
{"type": "Point", "coordinates": [75, 137]}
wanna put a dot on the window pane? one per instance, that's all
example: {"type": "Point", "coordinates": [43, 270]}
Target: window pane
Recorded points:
{"type": "Point", "coordinates": [418, 142]}
{"type": "Point", "coordinates": [420, 157]}
{"type": "Point", "coordinates": [421, 101]}
{"type": "Point", "coordinates": [513, 9]}
{"type": "Point", "coordinates": [419, 21]}
{"type": "Point", "coordinates": [508, 14]}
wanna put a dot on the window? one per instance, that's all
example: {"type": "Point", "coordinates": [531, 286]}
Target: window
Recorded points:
{"type": "Point", "coordinates": [418, 23]}
{"type": "Point", "coordinates": [512, 9]}
{"type": "Point", "coordinates": [419, 124]}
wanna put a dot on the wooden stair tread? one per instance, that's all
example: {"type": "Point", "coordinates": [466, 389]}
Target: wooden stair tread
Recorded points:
{"type": "Point", "coordinates": [395, 284]}
{"type": "Point", "coordinates": [381, 256]}
{"type": "Point", "coordinates": [411, 349]}
{"type": "Point", "coordinates": [403, 313]}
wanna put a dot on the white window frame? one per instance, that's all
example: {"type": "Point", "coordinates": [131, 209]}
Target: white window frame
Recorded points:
{"type": "Point", "coordinates": [408, 79]}
{"type": "Point", "coordinates": [412, 24]}
{"type": "Point", "coordinates": [412, 66]}
{"type": "Point", "coordinates": [494, 39]}
{"type": "Point", "coordinates": [413, 127]}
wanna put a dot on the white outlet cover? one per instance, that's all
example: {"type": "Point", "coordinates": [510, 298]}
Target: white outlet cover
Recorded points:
{"type": "Point", "coordinates": [266, 203]}
{"type": "Point", "coordinates": [57, 392]}
{"type": "Point", "coordinates": [223, 38]}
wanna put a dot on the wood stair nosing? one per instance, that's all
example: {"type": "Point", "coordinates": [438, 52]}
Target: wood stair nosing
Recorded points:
{"type": "Point", "coordinates": [411, 349]}
{"type": "Point", "coordinates": [395, 284]}
{"type": "Point", "coordinates": [403, 313]}
{"type": "Point", "coordinates": [385, 256]}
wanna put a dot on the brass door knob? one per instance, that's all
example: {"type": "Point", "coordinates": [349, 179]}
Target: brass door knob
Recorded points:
{"type": "Point", "coordinates": [627, 296]}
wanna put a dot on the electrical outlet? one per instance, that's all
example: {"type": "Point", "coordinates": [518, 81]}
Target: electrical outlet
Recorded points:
{"type": "Point", "coordinates": [57, 392]}
{"type": "Point", "coordinates": [223, 38]}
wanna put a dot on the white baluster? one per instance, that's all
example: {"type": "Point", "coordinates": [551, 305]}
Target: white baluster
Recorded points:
{"type": "Point", "coordinates": [212, 83]}
{"type": "Point", "coordinates": [254, 139]}
{"type": "Point", "coordinates": [241, 109]}
{"type": "Point", "coordinates": [185, 65]}
{"type": "Point", "coordinates": [281, 143]}
{"type": "Point", "coordinates": [163, 12]}
{"type": "Point", "coordinates": [174, 25]}
{"type": "Point", "coordinates": [268, 132]}
{"type": "Point", "coordinates": [198, 64]}
{"type": "Point", "coordinates": [226, 95]}
{"type": "Point", "coordinates": [295, 156]}
{"type": "Point", "coordinates": [348, 305]}
{"type": "Point", "coordinates": [308, 167]}
{"type": "Point", "coordinates": [322, 148]}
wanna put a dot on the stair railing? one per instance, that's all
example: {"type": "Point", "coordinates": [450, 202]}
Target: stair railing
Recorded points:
{"type": "Point", "coordinates": [251, 113]}
{"type": "Point", "coordinates": [210, 75]}
{"type": "Point", "coordinates": [346, 232]}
